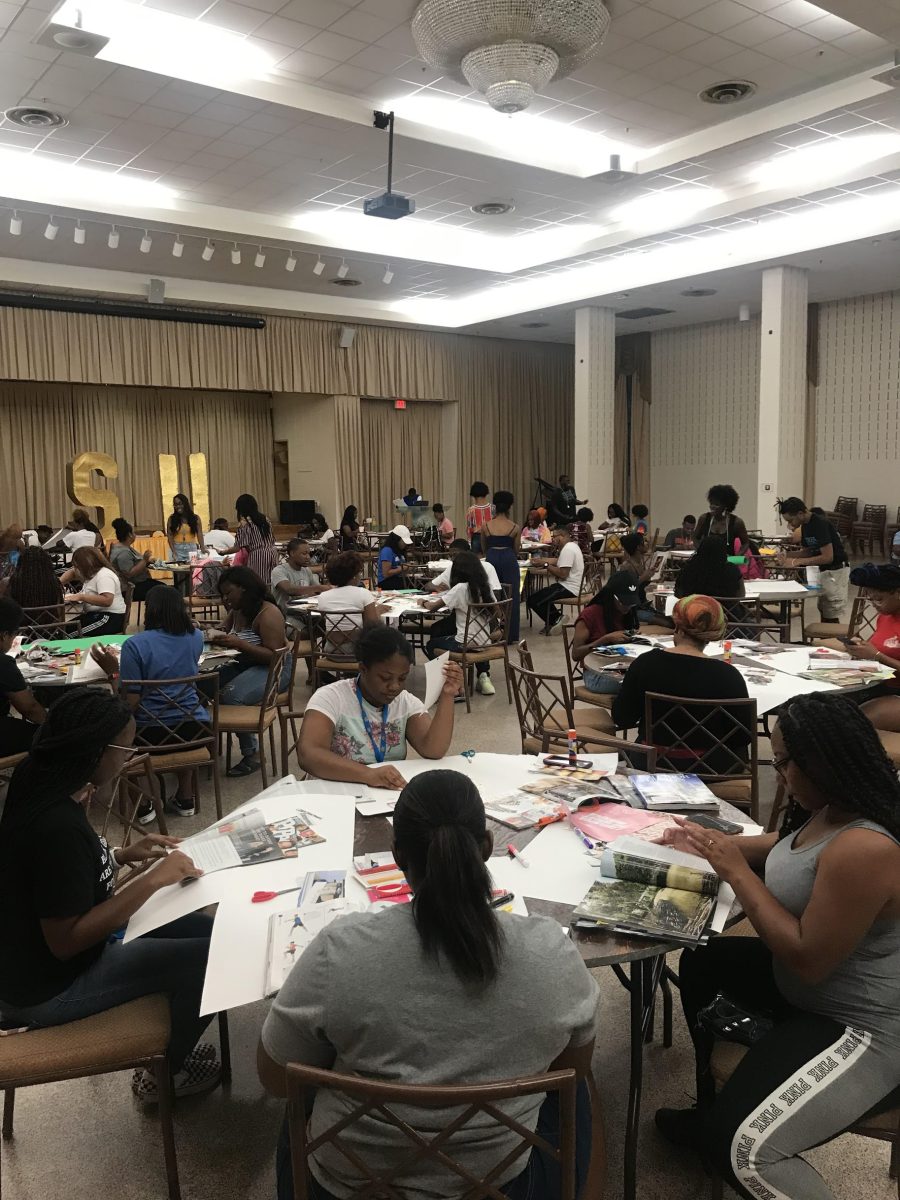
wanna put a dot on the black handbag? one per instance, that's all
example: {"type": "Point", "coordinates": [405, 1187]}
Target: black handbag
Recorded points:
{"type": "Point", "coordinates": [732, 1023]}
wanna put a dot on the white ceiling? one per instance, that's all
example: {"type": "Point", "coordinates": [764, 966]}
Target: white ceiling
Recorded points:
{"type": "Point", "coordinates": [283, 162]}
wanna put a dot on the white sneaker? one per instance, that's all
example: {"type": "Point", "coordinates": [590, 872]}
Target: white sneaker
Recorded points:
{"type": "Point", "coordinates": [484, 685]}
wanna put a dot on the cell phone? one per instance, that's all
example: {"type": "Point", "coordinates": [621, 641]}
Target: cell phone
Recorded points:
{"type": "Point", "coordinates": [562, 760]}
{"type": "Point", "coordinates": [718, 823]}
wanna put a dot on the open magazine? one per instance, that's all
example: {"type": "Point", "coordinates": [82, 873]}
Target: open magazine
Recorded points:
{"type": "Point", "coordinates": [651, 891]}
{"type": "Point", "coordinates": [674, 793]}
{"type": "Point", "coordinates": [249, 839]}
{"type": "Point", "coordinates": [322, 897]}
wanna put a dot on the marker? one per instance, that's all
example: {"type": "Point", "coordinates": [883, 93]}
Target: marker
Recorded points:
{"type": "Point", "coordinates": [514, 853]}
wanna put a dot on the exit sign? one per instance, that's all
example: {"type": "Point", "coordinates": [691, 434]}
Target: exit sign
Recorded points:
{"type": "Point", "coordinates": [400, 405]}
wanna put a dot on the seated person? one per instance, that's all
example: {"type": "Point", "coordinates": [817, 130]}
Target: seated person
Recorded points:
{"type": "Point", "coordinates": [640, 523]}
{"type": "Point", "coordinates": [616, 518]}
{"type": "Point", "coordinates": [82, 532]}
{"type": "Point", "coordinates": [412, 497]}
{"type": "Point", "coordinates": [721, 520]}
{"type": "Point", "coordinates": [356, 1002]}
{"type": "Point", "coordinates": [44, 533]}
{"type": "Point", "coordinates": [636, 559]}
{"type": "Point", "coordinates": [35, 585]}
{"type": "Point", "coordinates": [15, 735]}
{"type": "Point", "coordinates": [581, 530]}
{"type": "Point", "coordinates": [709, 573]}
{"type": "Point", "coordinates": [370, 719]}
{"type": "Point", "coordinates": [683, 537]}
{"type": "Point", "coordinates": [219, 538]}
{"type": "Point", "coordinates": [441, 582]}
{"type": "Point", "coordinates": [443, 525]}
{"type": "Point", "coordinates": [468, 585]}
{"type": "Point", "coordinates": [392, 560]}
{"type": "Point", "coordinates": [169, 648]}
{"type": "Point", "coordinates": [255, 627]}
{"type": "Point", "coordinates": [685, 670]}
{"type": "Point", "coordinates": [292, 579]}
{"type": "Point", "coordinates": [535, 529]}
{"type": "Point", "coordinates": [882, 586]}
{"type": "Point", "coordinates": [60, 959]}
{"type": "Point", "coordinates": [358, 606]}
{"type": "Point", "coordinates": [608, 620]}
{"type": "Point", "coordinates": [132, 567]}
{"type": "Point", "coordinates": [567, 571]}
{"type": "Point", "coordinates": [101, 593]}
{"type": "Point", "coordinates": [824, 904]}
{"type": "Point", "coordinates": [319, 528]}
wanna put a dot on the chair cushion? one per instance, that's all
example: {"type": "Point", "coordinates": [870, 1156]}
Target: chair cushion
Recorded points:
{"type": "Point", "coordinates": [587, 720]}
{"type": "Point", "coordinates": [601, 699]}
{"type": "Point", "coordinates": [174, 759]}
{"type": "Point", "coordinates": [825, 629]}
{"type": "Point", "coordinates": [477, 656]}
{"type": "Point", "coordinates": [243, 718]}
{"type": "Point", "coordinates": [110, 1041]}
{"type": "Point", "coordinates": [891, 743]}
{"type": "Point", "coordinates": [734, 791]}
{"type": "Point", "coordinates": [337, 664]}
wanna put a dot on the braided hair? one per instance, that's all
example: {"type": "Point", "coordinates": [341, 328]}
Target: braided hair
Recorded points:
{"type": "Point", "coordinates": [34, 582]}
{"type": "Point", "coordinates": [65, 752]}
{"type": "Point", "coordinates": [873, 577]}
{"type": "Point", "coordinates": [836, 746]}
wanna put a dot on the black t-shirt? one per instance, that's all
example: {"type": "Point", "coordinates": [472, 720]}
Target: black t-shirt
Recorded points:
{"type": "Point", "coordinates": [52, 866]}
{"type": "Point", "coordinates": [685, 676]}
{"type": "Point", "coordinates": [817, 533]}
{"type": "Point", "coordinates": [10, 681]}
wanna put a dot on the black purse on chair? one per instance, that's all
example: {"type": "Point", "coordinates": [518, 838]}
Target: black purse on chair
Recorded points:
{"type": "Point", "coordinates": [730, 1023]}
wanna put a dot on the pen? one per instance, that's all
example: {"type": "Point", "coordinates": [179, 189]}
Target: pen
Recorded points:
{"type": "Point", "coordinates": [514, 853]}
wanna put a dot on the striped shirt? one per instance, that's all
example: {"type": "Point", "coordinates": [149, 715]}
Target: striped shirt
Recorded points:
{"type": "Point", "coordinates": [263, 556]}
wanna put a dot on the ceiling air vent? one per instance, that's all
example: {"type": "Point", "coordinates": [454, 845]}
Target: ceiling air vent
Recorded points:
{"type": "Point", "coordinates": [635, 314]}
{"type": "Point", "coordinates": [30, 116]}
{"type": "Point", "coordinates": [729, 92]}
{"type": "Point", "coordinates": [698, 292]}
{"type": "Point", "coordinates": [345, 282]}
{"type": "Point", "coordinates": [493, 208]}
{"type": "Point", "coordinates": [534, 324]}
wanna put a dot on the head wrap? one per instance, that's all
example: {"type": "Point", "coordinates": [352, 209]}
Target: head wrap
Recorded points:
{"type": "Point", "coordinates": [700, 617]}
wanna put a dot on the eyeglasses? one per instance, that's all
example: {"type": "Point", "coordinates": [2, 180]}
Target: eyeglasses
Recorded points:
{"type": "Point", "coordinates": [124, 749]}
{"type": "Point", "coordinates": [780, 763]}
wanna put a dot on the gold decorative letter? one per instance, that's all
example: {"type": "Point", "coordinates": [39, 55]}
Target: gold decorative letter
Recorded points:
{"type": "Point", "coordinates": [200, 488]}
{"type": "Point", "coordinates": [82, 492]}
{"type": "Point", "coordinates": [168, 484]}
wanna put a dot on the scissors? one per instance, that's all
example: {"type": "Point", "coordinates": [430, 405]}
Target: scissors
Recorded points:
{"type": "Point", "coordinates": [262, 897]}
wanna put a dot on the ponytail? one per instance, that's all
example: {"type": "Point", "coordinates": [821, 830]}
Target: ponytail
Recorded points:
{"type": "Point", "coordinates": [439, 831]}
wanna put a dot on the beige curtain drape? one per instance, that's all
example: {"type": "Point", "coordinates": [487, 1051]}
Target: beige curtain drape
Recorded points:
{"type": "Point", "coordinates": [812, 397]}
{"type": "Point", "coordinates": [632, 459]}
{"type": "Point", "coordinates": [401, 450]}
{"type": "Point", "coordinates": [46, 425]}
{"type": "Point", "coordinates": [515, 398]}
{"type": "Point", "coordinates": [352, 457]}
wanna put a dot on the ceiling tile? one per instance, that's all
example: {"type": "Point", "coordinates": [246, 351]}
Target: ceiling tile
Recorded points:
{"type": "Point", "coordinates": [307, 66]}
{"type": "Point", "coordinates": [355, 80]}
{"type": "Point", "coordinates": [720, 16]}
{"type": "Point", "coordinates": [378, 58]}
{"type": "Point", "coordinates": [392, 10]}
{"type": "Point", "coordinates": [269, 6]}
{"type": "Point", "coordinates": [334, 46]}
{"type": "Point", "coordinates": [684, 8]}
{"type": "Point", "coordinates": [320, 13]}
{"type": "Point", "coordinates": [634, 56]}
{"type": "Point", "coordinates": [788, 45]}
{"type": "Point", "coordinates": [711, 50]}
{"type": "Point", "coordinates": [365, 27]}
{"type": "Point", "coordinates": [760, 28]}
{"type": "Point", "coordinates": [861, 43]}
{"type": "Point", "coordinates": [181, 8]}
{"type": "Point", "coordinates": [286, 33]}
{"type": "Point", "coordinates": [400, 38]}
{"type": "Point", "coordinates": [640, 22]}
{"type": "Point", "coordinates": [674, 37]}
{"type": "Point", "coordinates": [163, 118]}
{"type": "Point", "coordinates": [236, 17]}
{"type": "Point", "coordinates": [796, 13]}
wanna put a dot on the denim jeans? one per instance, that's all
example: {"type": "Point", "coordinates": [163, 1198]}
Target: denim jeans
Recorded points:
{"type": "Point", "coordinates": [540, 1179]}
{"type": "Point", "coordinates": [603, 683]}
{"type": "Point", "coordinates": [246, 685]}
{"type": "Point", "coordinates": [171, 960]}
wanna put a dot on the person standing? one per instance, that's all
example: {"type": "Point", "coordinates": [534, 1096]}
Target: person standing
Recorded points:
{"type": "Point", "coordinates": [184, 529]}
{"type": "Point", "coordinates": [819, 545]}
{"type": "Point", "coordinates": [348, 533]}
{"type": "Point", "coordinates": [567, 572]}
{"type": "Point", "coordinates": [477, 513]}
{"type": "Point", "coordinates": [721, 520]}
{"type": "Point", "coordinates": [254, 534]}
{"type": "Point", "coordinates": [564, 502]}
{"type": "Point", "coordinates": [501, 541]}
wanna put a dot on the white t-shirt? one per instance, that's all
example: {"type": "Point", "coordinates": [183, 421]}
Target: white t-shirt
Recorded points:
{"type": "Point", "coordinates": [570, 556]}
{"type": "Point", "coordinates": [76, 538]}
{"type": "Point", "coordinates": [351, 600]}
{"type": "Point", "coordinates": [218, 539]}
{"type": "Point", "coordinates": [457, 600]}
{"type": "Point", "coordinates": [443, 580]}
{"type": "Point", "coordinates": [340, 703]}
{"type": "Point", "coordinates": [104, 581]}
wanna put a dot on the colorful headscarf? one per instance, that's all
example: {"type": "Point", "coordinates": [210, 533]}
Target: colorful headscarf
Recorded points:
{"type": "Point", "coordinates": [700, 617]}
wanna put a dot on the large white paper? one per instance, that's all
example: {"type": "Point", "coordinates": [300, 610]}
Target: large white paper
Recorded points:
{"type": "Point", "coordinates": [559, 867]}
{"type": "Point", "coordinates": [434, 678]}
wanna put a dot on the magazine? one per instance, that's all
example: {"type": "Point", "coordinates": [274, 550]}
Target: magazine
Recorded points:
{"type": "Point", "coordinates": [522, 810]}
{"type": "Point", "coordinates": [322, 897]}
{"type": "Point", "coordinates": [248, 839]}
{"type": "Point", "coordinates": [610, 822]}
{"type": "Point", "coordinates": [577, 774]}
{"type": "Point", "coordinates": [637, 861]}
{"type": "Point", "coordinates": [571, 795]}
{"type": "Point", "coordinates": [675, 793]}
{"type": "Point", "coordinates": [849, 676]}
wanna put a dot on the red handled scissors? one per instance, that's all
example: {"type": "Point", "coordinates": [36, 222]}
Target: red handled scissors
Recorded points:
{"type": "Point", "coordinates": [262, 897]}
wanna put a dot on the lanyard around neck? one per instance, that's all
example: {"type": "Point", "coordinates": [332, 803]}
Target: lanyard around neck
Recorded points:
{"type": "Point", "coordinates": [379, 750]}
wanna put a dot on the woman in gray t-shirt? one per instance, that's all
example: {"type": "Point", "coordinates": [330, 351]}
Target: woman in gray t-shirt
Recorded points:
{"type": "Point", "coordinates": [444, 990]}
{"type": "Point", "coordinates": [825, 967]}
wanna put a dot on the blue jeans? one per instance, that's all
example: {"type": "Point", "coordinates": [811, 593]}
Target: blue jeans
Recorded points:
{"type": "Point", "coordinates": [247, 685]}
{"type": "Point", "coordinates": [540, 1180]}
{"type": "Point", "coordinates": [171, 960]}
{"type": "Point", "coordinates": [604, 683]}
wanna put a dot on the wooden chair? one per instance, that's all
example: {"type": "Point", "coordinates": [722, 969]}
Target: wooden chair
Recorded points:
{"type": "Point", "coordinates": [495, 617]}
{"type": "Point", "coordinates": [861, 624]}
{"type": "Point", "coordinates": [543, 704]}
{"type": "Point", "coordinates": [9, 764]}
{"type": "Point", "coordinates": [333, 638]}
{"type": "Point", "coordinates": [892, 530]}
{"type": "Point", "coordinates": [591, 580]}
{"type": "Point", "coordinates": [847, 506]}
{"type": "Point", "coordinates": [160, 734]}
{"type": "Point", "coordinates": [755, 625]}
{"type": "Point", "coordinates": [715, 739]}
{"type": "Point", "coordinates": [872, 528]}
{"type": "Point", "coordinates": [301, 648]}
{"type": "Point", "coordinates": [635, 755]}
{"type": "Point", "coordinates": [882, 1122]}
{"type": "Point", "coordinates": [256, 718]}
{"type": "Point", "coordinates": [575, 672]}
{"type": "Point", "coordinates": [482, 1103]}
{"type": "Point", "coordinates": [48, 624]}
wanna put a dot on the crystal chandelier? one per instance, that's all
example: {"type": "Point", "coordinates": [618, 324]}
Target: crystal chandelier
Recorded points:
{"type": "Point", "coordinates": [509, 49]}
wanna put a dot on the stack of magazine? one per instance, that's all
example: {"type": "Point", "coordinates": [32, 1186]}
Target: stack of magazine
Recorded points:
{"type": "Point", "coordinates": [651, 891]}
{"type": "Point", "coordinates": [322, 897]}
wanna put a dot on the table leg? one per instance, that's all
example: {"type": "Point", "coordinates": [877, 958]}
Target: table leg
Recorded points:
{"type": "Point", "coordinates": [644, 980]}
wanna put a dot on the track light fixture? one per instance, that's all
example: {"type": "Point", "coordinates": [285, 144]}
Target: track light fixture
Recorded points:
{"type": "Point", "coordinates": [146, 243]}
{"type": "Point", "coordinates": [319, 267]}
{"type": "Point", "coordinates": [177, 248]}
{"type": "Point", "coordinates": [52, 229]}
{"type": "Point", "coordinates": [79, 234]}
{"type": "Point", "coordinates": [15, 225]}
{"type": "Point", "coordinates": [113, 239]}
{"type": "Point", "coordinates": [208, 251]}
{"type": "Point", "coordinates": [290, 262]}
{"type": "Point", "coordinates": [235, 255]}
{"type": "Point", "coordinates": [343, 270]}
{"type": "Point", "coordinates": [260, 259]}
{"type": "Point", "coordinates": [388, 275]}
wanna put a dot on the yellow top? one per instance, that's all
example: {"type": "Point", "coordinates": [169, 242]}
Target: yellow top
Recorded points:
{"type": "Point", "coordinates": [184, 535]}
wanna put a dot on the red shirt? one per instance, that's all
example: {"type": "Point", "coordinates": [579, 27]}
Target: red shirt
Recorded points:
{"type": "Point", "coordinates": [886, 638]}
{"type": "Point", "coordinates": [596, 622]}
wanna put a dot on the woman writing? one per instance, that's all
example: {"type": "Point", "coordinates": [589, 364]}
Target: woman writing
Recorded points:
{"type": "Point", "coordinates": [392, 559]}
{"type": "Point", "coordinates": [349, 529]}
{"type": "Point", "coordinates": [35, 585]}
{"type": "Point", "coordinates": [255, 627]}
{"type": "Point", "coordinates": [501, 541]}
{"type": "Point", "coordinates": [825, 964]}
{"type": "Point", "coordinates": [101, 593]}
{"type": "Point", "coordinates": [254, 534]}
{"type": "Point", "coordinates": [133, 567]}
{"type": "Point", "coordinates": [468, 585]}
{"type": "Point", "coordinates": [60, 961]}
{"type": "Point", "coordinates": [184, 529]}
{"type": "Point", "coordinates": [370, 719]}
{"type": "Point", "coordinates": [721, 520]}
{"type": "Point", "coordinates": [355, 1000]}
{"type": "Point", "coordinates": [610, 619]}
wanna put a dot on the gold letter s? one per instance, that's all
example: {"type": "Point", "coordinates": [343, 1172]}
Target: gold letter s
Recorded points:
{"type": "Point", "coordinates": [81, 491]}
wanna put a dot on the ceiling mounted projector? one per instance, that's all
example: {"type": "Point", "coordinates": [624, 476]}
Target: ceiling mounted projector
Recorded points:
{"type": "Point", "coordinates": [389, 205]}
{"type": "Point", "coordinates": [509, 50]}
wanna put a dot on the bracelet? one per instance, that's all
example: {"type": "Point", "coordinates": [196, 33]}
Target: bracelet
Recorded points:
{"type": "Point", "coordinates": [112, 854]}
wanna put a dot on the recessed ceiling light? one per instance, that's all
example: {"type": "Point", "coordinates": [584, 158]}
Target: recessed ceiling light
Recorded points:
{"type": "Point", "coordinates": [32, 116]}
{"type": "Point", "coordinates": [344, 282]}
{"type": "Point", "coordinates": [730, 92]}
{"type": "Point", "coordinates": [696, 293]}
{"type": "Point", "coordinates": [493, 208]}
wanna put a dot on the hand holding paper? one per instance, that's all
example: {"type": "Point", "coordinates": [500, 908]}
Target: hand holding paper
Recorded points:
{"type": "Point", "coordinates": [441, 675]}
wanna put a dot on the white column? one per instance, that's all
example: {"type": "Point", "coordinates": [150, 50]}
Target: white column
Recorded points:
{"type": "Point", "coordinates": [595, 388]}
{"type": "Point", "coordinates": [782, 392]}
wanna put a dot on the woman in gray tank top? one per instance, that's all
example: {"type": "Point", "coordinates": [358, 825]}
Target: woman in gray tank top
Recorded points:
{"type": "Point", "coordinates": [825, 965]}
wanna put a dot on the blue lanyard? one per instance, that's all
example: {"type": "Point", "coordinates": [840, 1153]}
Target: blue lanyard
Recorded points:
{"type": "Point", "coordinates": [378, 751]}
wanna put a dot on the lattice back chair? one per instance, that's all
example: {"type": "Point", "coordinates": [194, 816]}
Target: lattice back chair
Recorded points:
{"type": "Point", "coordinates": [575, 672]}
{"type": "Point", "coordinates": [48, 623]}
{"type": "Point", "coordinates": [481, 617]}
{"type": "Point", "coordinates": [715, 739]}
{"type": "Point", "coordinates": [872, 528]}
{"type": "Point", "coordinates": [755, 624]}
{"type": "Point", "coordinates": [363, 1099]}
{"type": "Point", "coordinates": [525, 659]}
{"type": "Point", "coordinates": [544, 704]}
{"type": "Point", "coordinates": [861, 624]}
{"type": "Point", "coordinates": [169, 730]}
{"type": "Point", "coordinates": [113, 812]}
{"type": "Point", "coordinates": [591, 581]}
{"type": "Point", "coordinates": [256, 718]}
{"type": "Point", "coordinates": [847, 506]}
{"type": "Point", "coordinates": [863, 617]}
{"type": "Point", "coordinates": [333, 636]}
{"type": "Point", "coordinates": [635, 755]}
{"type": "Point", "coordinates": [301, 648]}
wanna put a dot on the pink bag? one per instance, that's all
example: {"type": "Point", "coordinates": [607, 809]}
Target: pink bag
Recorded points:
{"type": "Point", "coordinates": [241, 558]}
{"type": "Point", "coordinates": [753, 567]}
